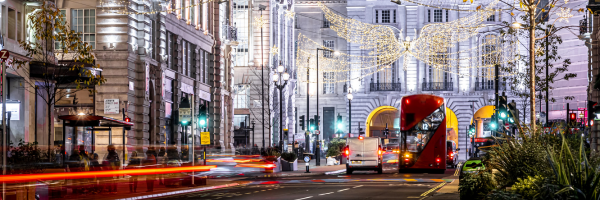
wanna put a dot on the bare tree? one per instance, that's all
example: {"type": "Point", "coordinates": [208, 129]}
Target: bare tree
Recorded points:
{"type": "Point", "coordinates": [257, 91]}
{"type": "Point", "coordinates": [60, 60]}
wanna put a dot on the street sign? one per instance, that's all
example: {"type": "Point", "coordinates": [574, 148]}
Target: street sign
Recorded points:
{"type": "Point", "coordinates": [307, 159]}
{"type": "Point", "coordinates": [204, 138]}
{"type": "Point", "coordinates": [185, 115]}
{"type": "Point", "coordinates": [317, 132]}
{"type": "Point", "coordinates": [4, 54]}
{"type": "Point", "coordinates": [111, 106]}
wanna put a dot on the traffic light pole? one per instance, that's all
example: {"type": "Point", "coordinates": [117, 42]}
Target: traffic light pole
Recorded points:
{"type": "Point", "coordinates": [307, 133]}
{"type": "Point", "coordinates": [496, 82]}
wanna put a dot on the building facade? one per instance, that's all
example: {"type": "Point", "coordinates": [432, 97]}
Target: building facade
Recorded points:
{"type": "Point", "coordinates": [262, 48]}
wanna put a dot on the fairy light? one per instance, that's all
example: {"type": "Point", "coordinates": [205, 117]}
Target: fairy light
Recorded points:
{"type": "Point", "coordinates": [260, 22]}
{"type": "Point", "coordinates": [383, 49]}
{"type": "Point", "coordinates": [122, 7]}
{"type": "Point", "coordinates": [274, 50]}
{"type": "Point", "coordinates": [290, 14]}
{"type": "Point", "coordinates": [564, 14]}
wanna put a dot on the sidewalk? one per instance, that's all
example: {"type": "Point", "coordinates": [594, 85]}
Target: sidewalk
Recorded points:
{"type": "Point", "coordinates": [448, 192]}
{"type": "Point", "coordinates": [159, 190]}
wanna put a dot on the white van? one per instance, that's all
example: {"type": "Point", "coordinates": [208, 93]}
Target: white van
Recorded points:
{"type": "Point", "coordinates": [363, 153]}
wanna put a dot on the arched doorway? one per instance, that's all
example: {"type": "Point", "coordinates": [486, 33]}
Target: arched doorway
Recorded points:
{"type": "Point", "coordinates": [482, 117]}
{"type": "Point", "coordinates": [377, 119]}
{"type": "Point", "coordinates": [451, 126]}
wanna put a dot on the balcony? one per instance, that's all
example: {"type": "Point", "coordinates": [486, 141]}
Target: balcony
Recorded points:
{"type": "Point", "coordinates": [437, 86]}
{"type": "Point", "coordinates": [386, 86]}
{"type": "Point", "coordinates": [489, 85]}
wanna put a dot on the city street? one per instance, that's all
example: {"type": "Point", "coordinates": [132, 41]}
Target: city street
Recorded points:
{"type": "Point", "coordinates": [360, 185]}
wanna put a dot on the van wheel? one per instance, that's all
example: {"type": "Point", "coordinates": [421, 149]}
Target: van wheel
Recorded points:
{"type": "Point", "coordinates": [348, 171]}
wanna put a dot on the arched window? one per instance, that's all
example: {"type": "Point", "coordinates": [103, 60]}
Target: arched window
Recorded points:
{"type": "Point", "coordinates": [489, 57]}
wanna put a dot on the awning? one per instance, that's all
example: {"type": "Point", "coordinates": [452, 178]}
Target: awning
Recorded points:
{"type": "Point", "coordinates": [93, 120]}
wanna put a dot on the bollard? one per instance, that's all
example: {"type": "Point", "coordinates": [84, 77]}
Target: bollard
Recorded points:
{"type": "Point", "coordinates": [307, 170]}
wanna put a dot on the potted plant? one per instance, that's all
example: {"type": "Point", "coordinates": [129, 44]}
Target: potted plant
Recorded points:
{"type": "Point", "coordinates": [334, 149]}
{"type": "Point", "coordinates": [289, 161]}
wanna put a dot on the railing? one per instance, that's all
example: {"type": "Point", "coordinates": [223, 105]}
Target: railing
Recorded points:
{"type": "Point", "coordinates": [438, 86]}
{"type": "Point", "coordinates": [230, 32]}
{"type": "Point", "coordinates": [583, 26]}
{"type": "Point", "coordinates": [386, 87]}
{"type": "Point", "coordinates": [489, 85]}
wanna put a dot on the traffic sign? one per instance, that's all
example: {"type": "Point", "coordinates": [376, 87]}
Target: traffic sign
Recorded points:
{"type": "Point", "coordinates": [306, 158]}
{"type": "Point", "coordinates": [4, 54]}
{"type": "Point", "coordinates": [317, 132]}
{"type": "Point", "coordinates": [185, 115]}
{"type": "Point", "coordinates": [204, 138]}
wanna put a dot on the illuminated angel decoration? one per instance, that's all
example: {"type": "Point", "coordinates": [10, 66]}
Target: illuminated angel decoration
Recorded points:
{"type": "Point", "coordinates": [385, 45]}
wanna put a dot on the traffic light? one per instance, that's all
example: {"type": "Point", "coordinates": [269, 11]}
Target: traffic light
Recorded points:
{"type": "Point", "coordinates": [494, 122]}
{"type": "Point", "coordinates": [202, 117]}
{"type": "Point", "coordinates": [472, 130]}
{"type": "Point", "coordinates": [127, 119]}
{"type": "Point", "coordinates": [317, 121]}
{"type": "Point", "coordinates": [593, 110]}
{"type": "Point", "coordinates": [311, 124]}
{"type": "Point", "coordinates": [573, 116]}
{"type": "Point", "coordinates": [386, 131]}
{"type": "Point", "coordinates": [502, 107]}
{"type": "Point", "coordinates": [302, 122]}
{"type": "Point", "coordinates": [340, 125]}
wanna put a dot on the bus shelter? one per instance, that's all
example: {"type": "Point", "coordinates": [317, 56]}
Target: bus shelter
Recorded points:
{"type": "Point", "coordinates": [82, 131]}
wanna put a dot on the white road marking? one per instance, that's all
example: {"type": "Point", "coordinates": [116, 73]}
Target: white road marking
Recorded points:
{"type": "Point", "coordinates": [304, 198]}
{"type": "Point", "coordinates": [325, 193]}
{"type": "Point", "coordinates": [343, 190]}
{"type": "Point", "coordinates": [357, 186]}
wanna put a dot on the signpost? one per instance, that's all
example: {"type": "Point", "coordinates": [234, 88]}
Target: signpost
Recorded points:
{"type": "Point", "coordinates": [3, 56]}
{"type": "Point", "coordinates": [185, 115]}
{"type": "Point", "coordinates": [111, 106]}
{"type": "Point", "coordinates": [204, 140]}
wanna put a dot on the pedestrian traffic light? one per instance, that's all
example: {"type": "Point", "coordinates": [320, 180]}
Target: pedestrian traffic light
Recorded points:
{"type": "Point", "coordinates": [202, 120]}
{"type": "Point", "coordinates": [302, 122]}
{"type": "Point", "coordinates": [593, 110]}
{"type": "Point", "coordinates": [311, 124]}
{"type": "Point", "coordinates": [185, 123]}
{"type": "Point", "coordinates": [340, 125]}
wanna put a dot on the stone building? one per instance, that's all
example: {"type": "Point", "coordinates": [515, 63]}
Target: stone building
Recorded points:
{"type": "Point", "coordinates": [259, 52]}
{"type": "Point", "coordinates": [377, 96]}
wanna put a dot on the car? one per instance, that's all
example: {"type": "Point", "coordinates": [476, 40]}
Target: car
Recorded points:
{"type": "Point", "coordinates": [392, 148]}
{"type": "Point", "coordinates": [452, 154]}
{"type": "Point", "coordinates": [364, 153]}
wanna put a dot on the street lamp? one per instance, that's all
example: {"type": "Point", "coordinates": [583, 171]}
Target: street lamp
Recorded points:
{"type": "Point", "coordinates": [280, 85]}
{"type": "Point", "coordinates": [350, 97]}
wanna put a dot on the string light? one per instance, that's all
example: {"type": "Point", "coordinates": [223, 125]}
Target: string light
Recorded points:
{"type": "Point", "coordinates": [564, 14]}
{"type": "Point", "coordinates": [274, 50]}
{"type": "Point", "coordinates": [122, 7]}
{"type": "Point", "coordinates": [383, 48]}
{"type": "Point", "coordinates": [290, 14]}
{"type": "Point", "coordinates": [259, 22]}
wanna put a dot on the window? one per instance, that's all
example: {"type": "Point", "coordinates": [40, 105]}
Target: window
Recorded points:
{"type": "Point", "coordinates": [153, 36]}
{"type": "Point", "coordinates": [492, 18]}
{"type": "Point", "coordinates": [386, 74]}
{"type": "Point", "coordinates": [12, 23]}
{"type": "Point", "coordinates": [446, 15]}
{"type": "Point", "coordinates": [437, 15]}
{"type": "Point", "coordinates": [439, 74]}
{"type": "Point", "coordinates": [488, 58]}
{"type": "Point", "coordinates": [428, 15]}
{"type": "Point", "coordinates": [330, 45]}
{"type": "Point", "coordinates": [328, 85]}
{"type": "Point", "coordinates": [62, 19]}
{"type": "Point", "coordinates": [385, 16]}
{"type": "Point", "coordinates": [325, 22]}
{"type": "Point", "coordinates": [238, 119]}
{"type": "Point", "coordinates": [84, 22]}
{"type": "Point", "coordinates": [242, 98]}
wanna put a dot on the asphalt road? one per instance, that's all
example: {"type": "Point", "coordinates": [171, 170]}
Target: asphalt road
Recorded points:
{"type": "Point", "coordinates": [316, 191]}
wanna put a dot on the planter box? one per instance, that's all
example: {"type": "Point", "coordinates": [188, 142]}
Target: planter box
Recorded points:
{"type": "Point", "coordinates": [289, 166]}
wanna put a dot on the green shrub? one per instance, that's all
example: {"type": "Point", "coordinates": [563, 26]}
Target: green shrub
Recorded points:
{"type": "Point", "coordinates": [335, 147]}
{"type": "Point", "coordinates": [25, 158]}
{"type": "Point", "coordinates": [289, 156]}
{"type": "Point", "coordinates": [476, 186]}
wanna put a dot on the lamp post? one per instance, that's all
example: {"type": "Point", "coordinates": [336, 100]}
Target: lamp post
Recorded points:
{"type": "Point", "coordinates": [280, 84]}
{"type": "Point", "coordinates": [350, 97]}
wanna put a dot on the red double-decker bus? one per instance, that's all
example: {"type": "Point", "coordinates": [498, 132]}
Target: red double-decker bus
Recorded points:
{"type": "Point", "coordinates": [423, 133]}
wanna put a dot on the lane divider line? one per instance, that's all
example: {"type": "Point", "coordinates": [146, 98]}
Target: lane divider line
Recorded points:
{"type": "Point", "coordinates": [305, 198]}
{"type": "Point", "coordinates": [180, 192]}
{"type": "Point", "coordinates": [433, 189]}
{"type": "Point", "coordinates": [343, 190]}
{"type": "Point", "coordinates": [458, 166]}
{"type": "Point", "coordinates": [357, 186]}
{"type": "Point", "coordinates": [325, 193]}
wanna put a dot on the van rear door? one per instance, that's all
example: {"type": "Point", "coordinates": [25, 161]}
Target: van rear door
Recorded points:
{"type": "Point", "coordinates": [364, 152]}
